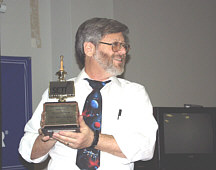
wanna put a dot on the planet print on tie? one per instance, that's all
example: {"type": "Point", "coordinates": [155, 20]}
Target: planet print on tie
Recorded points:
{"type": "Point", "coordinates": [89, 158]}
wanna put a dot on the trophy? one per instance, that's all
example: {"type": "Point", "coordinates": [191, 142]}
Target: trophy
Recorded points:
{"type": "Point", "coordinates": [60, 115]}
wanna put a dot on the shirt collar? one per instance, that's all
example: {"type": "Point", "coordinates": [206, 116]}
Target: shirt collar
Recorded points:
{"type": "Point", "coordinates": [82, 75]}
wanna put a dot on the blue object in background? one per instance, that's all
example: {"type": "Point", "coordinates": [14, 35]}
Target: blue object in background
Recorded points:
{"type": "Point", "coordinates": [16, 97]}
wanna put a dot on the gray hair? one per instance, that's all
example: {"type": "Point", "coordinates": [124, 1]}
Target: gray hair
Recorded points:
{"type": "Point", "coordinates": [93, 30]}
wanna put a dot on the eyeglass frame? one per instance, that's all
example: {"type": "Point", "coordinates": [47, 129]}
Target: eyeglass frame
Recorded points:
{"type": "Point", "coordinates": [124, 45]}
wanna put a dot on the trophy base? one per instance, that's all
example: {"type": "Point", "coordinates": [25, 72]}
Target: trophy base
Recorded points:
{"type": "Point", "coordinates": [49, 130]}
{"type": "Point", "coordinates": [60, 116]}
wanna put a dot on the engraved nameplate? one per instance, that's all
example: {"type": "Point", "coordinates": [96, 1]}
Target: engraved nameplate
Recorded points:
{"type": "Point", "coordinates": [60, 116]}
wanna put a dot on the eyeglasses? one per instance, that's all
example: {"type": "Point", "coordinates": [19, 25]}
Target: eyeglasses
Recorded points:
{"type": "Point", "coordinates": [116, 46]}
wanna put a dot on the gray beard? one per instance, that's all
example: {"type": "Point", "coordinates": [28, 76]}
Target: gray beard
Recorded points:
{"type": "Point", "coordinates": [107, 65]}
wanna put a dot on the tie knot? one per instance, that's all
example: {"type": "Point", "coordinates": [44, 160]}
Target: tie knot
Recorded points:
{"type": "Point", "coordinates": [97, 84]}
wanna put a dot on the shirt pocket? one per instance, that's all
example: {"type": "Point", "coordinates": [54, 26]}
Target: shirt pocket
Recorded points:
{"type": "Point", "coordinates": [110, 118]}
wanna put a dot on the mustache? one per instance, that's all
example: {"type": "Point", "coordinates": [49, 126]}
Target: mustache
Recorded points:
{"type": "Point", "coordinates": [119, 56]}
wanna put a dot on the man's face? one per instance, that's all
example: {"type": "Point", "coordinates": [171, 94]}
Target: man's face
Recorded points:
{"type": "Point", "coordinates": [112, 62]}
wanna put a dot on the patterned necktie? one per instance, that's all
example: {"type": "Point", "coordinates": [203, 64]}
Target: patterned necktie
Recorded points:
{"type": "Point", "coordinates": [89, 158]}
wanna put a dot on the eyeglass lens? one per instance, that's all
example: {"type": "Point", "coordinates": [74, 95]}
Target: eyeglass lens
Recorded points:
{"type": "Point", "coordinates": [116, 46]}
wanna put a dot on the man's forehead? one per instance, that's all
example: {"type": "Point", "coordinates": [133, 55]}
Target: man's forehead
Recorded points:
{"type": "Point", "coordinates": [114, 37]}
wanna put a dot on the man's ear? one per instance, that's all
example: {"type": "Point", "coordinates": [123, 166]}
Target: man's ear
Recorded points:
{"type": "Point", "coordinates": [89, 49]}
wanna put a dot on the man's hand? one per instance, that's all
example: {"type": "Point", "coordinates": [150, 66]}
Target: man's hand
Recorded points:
{"type": "Point", "coordinates": [42, 123]}
{"type": "Point", "coordinates": [76, 140]}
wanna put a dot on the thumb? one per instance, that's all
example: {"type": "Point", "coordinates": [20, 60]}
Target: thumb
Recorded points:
{"type": "Point", "coordinates": [81, 121]}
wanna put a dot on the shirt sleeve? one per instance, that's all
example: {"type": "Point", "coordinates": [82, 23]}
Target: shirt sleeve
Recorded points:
{"type": "Point", "coordinates": [31, 133]}
{"type": "Point", "coordinates": [136, 129]}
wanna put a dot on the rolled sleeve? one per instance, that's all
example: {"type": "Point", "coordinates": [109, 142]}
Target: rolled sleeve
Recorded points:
{"type": "Point", "coordinates": [31, 133]}
{"type": "Point", "coordinates": [26, 145]}
{"type": "Point", "coordinates": [136, 145]}
{"type": "Point", "coordinates": [136, 130]}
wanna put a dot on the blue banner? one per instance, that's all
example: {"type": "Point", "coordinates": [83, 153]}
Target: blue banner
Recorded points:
{"type": "Point", "coordinates": [16, 97]}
